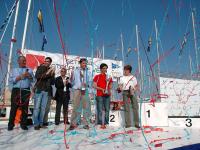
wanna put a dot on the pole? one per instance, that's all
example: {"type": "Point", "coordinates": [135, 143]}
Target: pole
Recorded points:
{"type": "Point", "coordinates": [158, 55]}
{"type": "Point", "coordinates": [122, 43]}
{"type": "Point", "coordinates": [138, 52]}
{"type": "Point", "coordinates": [12, 43]}
{"type": "Point", "coordinates": [25, 26]}
{"type": "Point", "coordinates": [103, 51]}
{"type": "Point", "coordinates": [195, 40]}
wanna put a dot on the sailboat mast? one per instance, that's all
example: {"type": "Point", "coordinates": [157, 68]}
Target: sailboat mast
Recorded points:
{"type": "Point", "coordinates": [12, 43]}
{"type": "Point", "coordinates": [195, 40]}
{"type": "Point", "coordinates": [122, 43]}
{"type": "Point", "coordinates": [25, 26]}
{"type": "Point", "coordinates": [138, 55]}
{"type": "Point", "coordinates": [158, 55]}
{"type": "Point", "coordinates": [157, 48]}
{"type": "Point", "coordinates": [103, 51]}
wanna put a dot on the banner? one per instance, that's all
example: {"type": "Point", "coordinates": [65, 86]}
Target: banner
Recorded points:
{"type": "Point", "coordinates": [35, 58]}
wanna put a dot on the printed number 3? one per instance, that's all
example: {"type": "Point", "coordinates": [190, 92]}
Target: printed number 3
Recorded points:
{"type": "Point", "coordinates": [112, 117]}
{"type": "Point", "coordinates": [189, 122]}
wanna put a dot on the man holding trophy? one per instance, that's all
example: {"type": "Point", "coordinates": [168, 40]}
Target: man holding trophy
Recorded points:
{"type": "Point", "coordinates": [80, 101]}
{"type": "Point", "coordinates": [103, 84]}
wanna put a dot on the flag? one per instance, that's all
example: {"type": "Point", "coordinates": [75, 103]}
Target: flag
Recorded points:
{"type": "Point", "coordinates": [149, 44]}
{"type": "Point", "coordinates": [129, 50]}
{"type": "Point", "coordinates": [44, 42]}
{"type": "Point", "coordinates": [40, 20]}
{"type": "Point", "coordinates": [115, 66]}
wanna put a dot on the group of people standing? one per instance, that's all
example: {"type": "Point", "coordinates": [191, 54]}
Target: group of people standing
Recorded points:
{"type": "Point", "coordinates": [24, 82]}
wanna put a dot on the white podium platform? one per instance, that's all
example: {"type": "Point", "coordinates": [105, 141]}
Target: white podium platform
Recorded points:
{"type": "Point", "coordinates": [154, 114]}
{"type": "Point", "coordinates": [184, 122]}
{"type": "Point", "coordinates": [116, 118]}
{"type": "Point", "coordinates": [151, 115]}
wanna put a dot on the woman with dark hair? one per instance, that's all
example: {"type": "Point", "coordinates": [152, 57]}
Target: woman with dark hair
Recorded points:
{"type": "Point", "coordinates": [103, 84]}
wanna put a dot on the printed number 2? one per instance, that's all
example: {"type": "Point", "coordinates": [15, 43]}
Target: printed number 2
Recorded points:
{"type": "Point", "coordinates": [148, 113]}
{"type": "Point", "coordinates": [112, 117]}
{"type": "Point", "coordinates": [189, 122]}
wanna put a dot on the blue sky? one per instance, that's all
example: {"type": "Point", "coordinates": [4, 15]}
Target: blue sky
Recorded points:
{"type": "Point", "coordinates": [104, 21]}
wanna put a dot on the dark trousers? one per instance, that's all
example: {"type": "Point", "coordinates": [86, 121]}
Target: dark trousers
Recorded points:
{"type": "Point", "coordinates": [103, 103]}
{"type": "Point", "coordinates": [19, 98]}
{"type": "Point", "coordinates": [62, 101]}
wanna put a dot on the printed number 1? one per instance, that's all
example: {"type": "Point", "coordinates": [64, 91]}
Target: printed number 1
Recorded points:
{"type": "Point", "coordinates": [148, 113]}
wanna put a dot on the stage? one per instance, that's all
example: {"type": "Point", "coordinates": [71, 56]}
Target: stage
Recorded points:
{"type": "Point", "coordinates": [57, 138]}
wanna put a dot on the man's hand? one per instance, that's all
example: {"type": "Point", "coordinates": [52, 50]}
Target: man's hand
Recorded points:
{"type": "Point", "coordinates": [25, 75]}
{"type": "Point", "coordinates": [103, 90]}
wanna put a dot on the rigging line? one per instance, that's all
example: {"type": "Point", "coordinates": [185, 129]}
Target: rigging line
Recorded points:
{"type": "Point", "coordinates": [91, 35]}
{"type": "Point", "coordinates": [185, 34]}
{"type": "Point", "coordinates": [92, 4]}
{"type": "Point", "coordinates": [151, 69]}
{"type": "Point", "coordinates": [64, 6]}
{"type": "Point", "coordinates": [162, 49]}
{"type": "Point", "coordinates": [53, 20]}
{"type": "Point", "coordinates": [6, 6]}
{"type": "Point", "coordinates": [62, 24]}
{"type": "Point", "coordinates": [59, 31]}
{"type": "Point", "coordinates": [7, 20]}
{"type": "Point", "coordinates": [131, 9]}
{"type": "Point", "coordinates": [51, 16]}
{"type": "Point", "coordinates": [164, 18]}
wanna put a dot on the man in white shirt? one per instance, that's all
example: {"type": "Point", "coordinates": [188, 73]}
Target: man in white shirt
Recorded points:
{"type": "Point", "coordinates": [128, 85]}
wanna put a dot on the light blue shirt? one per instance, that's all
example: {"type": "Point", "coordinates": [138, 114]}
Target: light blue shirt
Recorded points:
{"type": "Point", "coordinates": [76, 78]}
{"type": "Point", "coordinates": [24, 83]}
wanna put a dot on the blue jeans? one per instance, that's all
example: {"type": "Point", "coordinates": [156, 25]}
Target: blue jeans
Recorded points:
{"type": "Point", "coordinates": [40, 103]}
{"type": "Point", "coordinates": [103, 102]}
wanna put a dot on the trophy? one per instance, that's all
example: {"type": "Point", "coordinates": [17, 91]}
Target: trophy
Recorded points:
{"type": "Point", "coordinates": [108, 78]}
{"type": "Point", "coordinates": [82, 80]}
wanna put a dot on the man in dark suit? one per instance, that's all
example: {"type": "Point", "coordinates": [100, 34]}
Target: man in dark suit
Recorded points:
{"type": "Point", "coordinates": [62, 96]}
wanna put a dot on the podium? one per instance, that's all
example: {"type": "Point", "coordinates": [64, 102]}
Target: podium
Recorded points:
{"type": "Point", "coordinates": [151, 114]}
{"type": "Point", "coordinates": [116, 118]}
{"type": "Point", "coordinates": [154, 114]}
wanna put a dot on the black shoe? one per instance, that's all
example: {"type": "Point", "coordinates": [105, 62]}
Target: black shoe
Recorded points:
{"type": "Point", "coordinates": [137, 126]}
{"type": "Point", "coordinates": [127, 126]}
{"type": "Point", "coordinates": [67, 122]}
{"type": "Point", "coordinates": [37, 127]}
{"type": "Point", "coordinates": [86, 127]}
{"type": "Point", "coordinates": [72, 127]}
{"type": "Point", "coordinates": [24, 127]}
{"type": "Point", "coordinates": [10, 128]}
{"type": "Point", "coordinates": [44, 127]}
{"type": "Point", "coordinates": [56, 123]}
{"type": "Point", "coordinates": [45, 124]}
